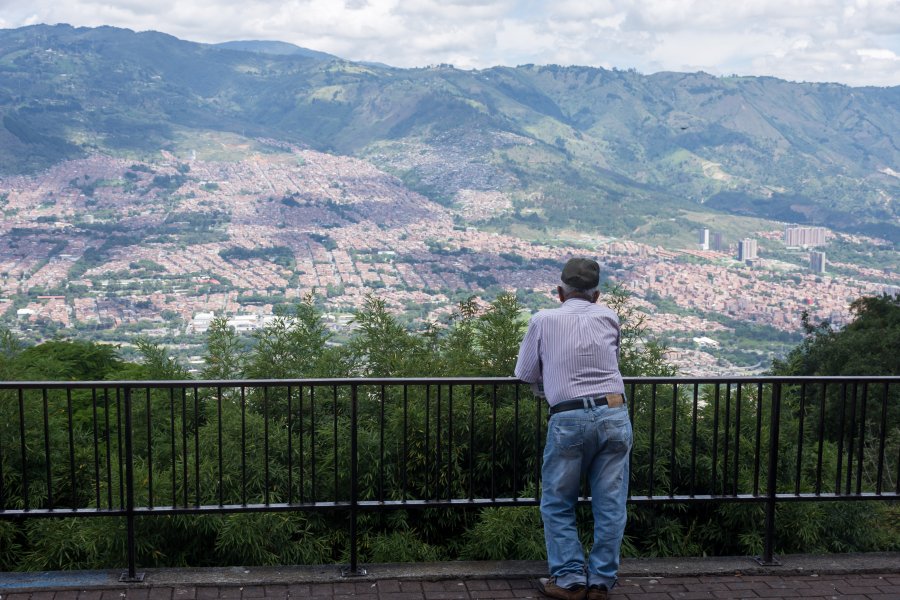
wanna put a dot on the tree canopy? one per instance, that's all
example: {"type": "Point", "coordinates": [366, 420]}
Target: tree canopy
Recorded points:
{"type": "Point", "coordinates": [868, 345]}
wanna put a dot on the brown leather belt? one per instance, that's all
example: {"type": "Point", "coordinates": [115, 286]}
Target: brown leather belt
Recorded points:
{"type": "Point", "coordinates": [611, 400]}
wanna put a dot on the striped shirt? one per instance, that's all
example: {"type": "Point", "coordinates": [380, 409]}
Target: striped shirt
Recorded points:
{"type": "Point", "coordinates": [573, 350]}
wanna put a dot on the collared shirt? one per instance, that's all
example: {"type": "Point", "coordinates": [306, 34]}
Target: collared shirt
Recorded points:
{"type": "Point", "coordinates": [573, 350]}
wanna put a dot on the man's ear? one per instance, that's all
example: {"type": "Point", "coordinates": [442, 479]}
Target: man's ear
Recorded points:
{"type": "Point", "coordinates": [595, 296]}
{"type": "Point", "coordinates": [560, 293]}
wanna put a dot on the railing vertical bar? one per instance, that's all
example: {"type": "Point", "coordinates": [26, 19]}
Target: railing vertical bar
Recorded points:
{"type": "Point", "coordinates": [472, 442]}
{"type": "Point", "coordinates": [290, 448]}
{"type": "Point", "coordinates": [821, 448]}
{"type": "Point", "coordinates": [243, 446]}
{"type": "Point", "coordinates": [149, 412]}
{"type": "Point", "coordinates": [354, 475]}
{"type": "Point", "coordinates": [266, 485]}
{"type": "Point", "coordinates": [313, 482]}
{"type": "Point", "coordinates": [725, 461]}
{"type": "Point", "coordinates": [72, 479]}
{"type": "Point", "coordinates": [693, 474]}
{"type": "Point", "coordinates": [381, 418]}
{"type": "Point", "coordinates": [515, 445]}
{"type": "Point", "coordinates": [184, 447]}
{"type": "Point", "coordinates": [840, 449]}
{"type": "Point", "coordinates": [852, 441]}
{"type": "Point", "coordinates": [737, 437]}
{"type": "Point", "coordinates": [438, 455]}
{"type": "Point", "coordinates": [129, 484]}
{"type": "Point", "coordinates": [302, 444]}
{"type": "Point", "coordinates": [22, 448]}
{"type": "Point", "coordinates": [427, 455]}
{"type": "Point", "coordinates": [539, 404]}
{"type": "Point", "coordinates": [334, 439]}
{"type": "Point", "coordinates": [862, 437]}
{"type": "Point", "coordinates": [449, 442]}
{"type": "Point", "coordinates": [673, 469]}
{"type": "Point", "coordinates": [772, 476]}
{"type": "Point", "coordinates": [96, 447]}
{"type": "Point", "coordinates": [197, 445]}
{"type": "Point", "coordinates": [758, 449]}
{"type": "Point", "coordinates": [403, 468]}
{"type": "Point", "coordinates": [652, 481]}
{"type": "Point", "coordinates": [798, 472]}
{"type": "Point", "coordinates": [882, 439]}
{"type": "Point", "coordinates": [119, 447]}
{"type": "Point", "coordinates": [897, 474]}
{"type": "Point", "coordinates": [631, 403]}
{"type": "Point", "coordinates": [109, 502]}
{"type": "Point", "coordinates": [48, 466]}
{"type": "Point", "coordinates": [172, 444]}
{"type": "Point", "coordinates": [494, 442]}
{"type": "Point", "coordinates": [715, 441]}
{"type": "Point", "coordinates": [2, 473]}
{"type": "Point", "coordinates": [219, 452]}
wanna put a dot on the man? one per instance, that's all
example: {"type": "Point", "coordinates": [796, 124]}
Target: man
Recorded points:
{"type": "Point", "coordinates": [573, 352]}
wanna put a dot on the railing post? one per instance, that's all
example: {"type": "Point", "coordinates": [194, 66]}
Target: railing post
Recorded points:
{"type": "Point", "coordinates": [768, 558]}
{"type": "Point", "coordinates": [353, 570]}
{"type": "Point", "coordinates": [132, 575]}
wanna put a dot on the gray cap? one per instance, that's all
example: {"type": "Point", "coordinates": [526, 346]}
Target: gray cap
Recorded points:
{"type": "Point", "coordinates": [581, 273]}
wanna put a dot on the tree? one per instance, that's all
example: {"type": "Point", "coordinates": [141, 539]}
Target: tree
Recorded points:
{"type": "Point", "coordinates": [382, 347]}
{"type": "Point", "coordinates": [499, 332]}
{"type": "Point", "coordinates": [157, 364]}
{"type": "Point", "coordinates": [224, 356]}
{"type": "Point", "coordinates": [10, 348]}
{"type": "Point", "coordinates": [295, 346]}
{"type": "Point", "coordinates": [67, 360]}
{"type": "Point", "coordinates": [869, 345]}
{"type": "Point", "coordinates": [638, 355]}
{"type": "Point", "coordinates": [457, 356]}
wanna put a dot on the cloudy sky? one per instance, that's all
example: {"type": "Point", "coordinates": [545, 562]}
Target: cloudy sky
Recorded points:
{"type": "Point", "coordinates": [856, 42]}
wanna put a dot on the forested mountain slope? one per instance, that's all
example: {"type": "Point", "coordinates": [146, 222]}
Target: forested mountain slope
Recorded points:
{"type": "Point", "coordinates": [610, 148]}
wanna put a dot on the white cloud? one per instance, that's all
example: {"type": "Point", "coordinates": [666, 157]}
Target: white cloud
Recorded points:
{"type": "Point", "coordinates": [852, 41]}
{"type": "Point", "coordinates": [877, 54]}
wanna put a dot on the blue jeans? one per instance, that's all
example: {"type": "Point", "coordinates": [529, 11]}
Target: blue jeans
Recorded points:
{"type": "Point", "coordinates": [594, 442]}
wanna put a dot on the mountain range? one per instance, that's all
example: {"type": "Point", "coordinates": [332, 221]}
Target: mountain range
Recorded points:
{"type": "Point", "coordinates": [610, 150]}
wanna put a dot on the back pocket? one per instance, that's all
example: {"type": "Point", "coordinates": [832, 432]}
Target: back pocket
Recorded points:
{"type": "Point", "coordinates": [568, 435]}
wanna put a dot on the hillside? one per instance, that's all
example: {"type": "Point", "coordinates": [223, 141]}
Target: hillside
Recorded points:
{"type": "Point", "coordinates": [613, 150]}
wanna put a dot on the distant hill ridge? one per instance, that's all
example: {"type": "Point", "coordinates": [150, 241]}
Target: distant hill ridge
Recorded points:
{"type": "Point", "coordinates": [273, 47]}
{"type": "Point", "coordinates": [607, 149]}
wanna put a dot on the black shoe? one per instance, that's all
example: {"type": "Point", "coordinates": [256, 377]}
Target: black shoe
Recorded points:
{"type": "Point", "coordinates": [597, 592]}
{"type": "Point", "coordinates": [549, 588]}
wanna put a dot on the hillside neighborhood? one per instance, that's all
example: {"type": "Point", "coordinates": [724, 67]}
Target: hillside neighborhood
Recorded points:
{"type": "Point", "coordinates": [107, 244]}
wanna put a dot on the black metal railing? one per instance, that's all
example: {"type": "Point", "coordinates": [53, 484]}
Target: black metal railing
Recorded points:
{"type": "Point", "coordinates": [141, 448]}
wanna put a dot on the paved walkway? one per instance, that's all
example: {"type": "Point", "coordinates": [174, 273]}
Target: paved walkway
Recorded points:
{"type": "Point", "coordinates": [848, 577]}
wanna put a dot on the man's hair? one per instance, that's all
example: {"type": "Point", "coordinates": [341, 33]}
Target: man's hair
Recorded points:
{"type": "Point", "coordinates": [568, 289]}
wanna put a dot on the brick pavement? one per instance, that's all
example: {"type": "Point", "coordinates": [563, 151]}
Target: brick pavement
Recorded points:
{"type": "Point", "coordinates": [862, 586]}
{"type": "Point", "coordinates": [807, 577]}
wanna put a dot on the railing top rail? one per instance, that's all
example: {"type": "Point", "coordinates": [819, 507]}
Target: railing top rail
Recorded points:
{"type": "Point", "coordinates": [769, 379]}
{"type": "Point", "coordinates": [366, 381]}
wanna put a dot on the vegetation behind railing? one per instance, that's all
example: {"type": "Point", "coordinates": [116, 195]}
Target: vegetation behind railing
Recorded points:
{"type": "Point", "coordinates": [310, 471]}
{"type": "Point", "coordinates": [259, 464]}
